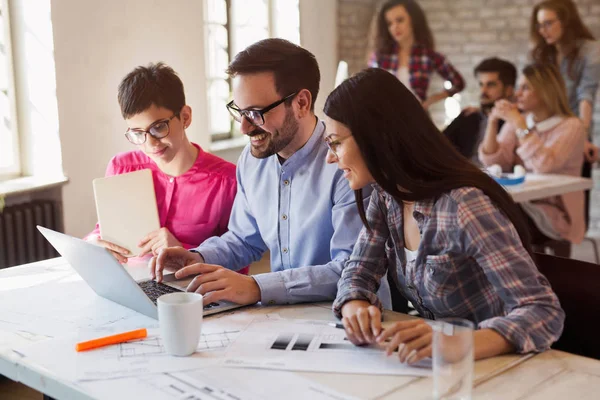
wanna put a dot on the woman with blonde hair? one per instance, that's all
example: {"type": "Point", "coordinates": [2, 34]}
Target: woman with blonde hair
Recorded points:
{"type": "Point", "coordinates": [559, 37]}
{"type": "Point", "coordinates": [404, 46]}
{"type": "Point", "coordinates": [545, 138]}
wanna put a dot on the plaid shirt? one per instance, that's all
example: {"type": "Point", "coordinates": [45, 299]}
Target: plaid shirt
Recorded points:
{"type": "Point", "coordinates": [470, 264]}
{"type": "Point", "coordinates": [423, 62]}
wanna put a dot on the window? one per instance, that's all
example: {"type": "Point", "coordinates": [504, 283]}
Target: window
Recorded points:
{"type": "Point", "coordinates": [9, 144]}
{"type": "Point", "coordinates": [231, 26]}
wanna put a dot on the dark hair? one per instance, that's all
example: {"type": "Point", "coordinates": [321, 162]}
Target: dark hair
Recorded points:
{"type": "Point", "coordinates": [293, 67]}
{"type": "Point", "coordinates": [572, 27]}
{"type": "Point", "coordinates": [402, 148]}
{"type": "Point", "coordinates": [384, 43]}
{"type": "Point", "coordinates": [155, 84]}
{"type": "Point", "coordinates": [507, 72]}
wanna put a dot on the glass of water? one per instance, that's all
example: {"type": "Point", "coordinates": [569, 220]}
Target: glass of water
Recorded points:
{"type": "Point", "coordinates": [452, 359]}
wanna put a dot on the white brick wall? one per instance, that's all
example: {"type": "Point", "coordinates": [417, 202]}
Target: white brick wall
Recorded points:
{"type": "Point", "coordinates": [466, 31]}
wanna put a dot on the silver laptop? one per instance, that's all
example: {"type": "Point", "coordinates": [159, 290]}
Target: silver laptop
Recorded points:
{"type": "Point", "coordinates": [109, 279]}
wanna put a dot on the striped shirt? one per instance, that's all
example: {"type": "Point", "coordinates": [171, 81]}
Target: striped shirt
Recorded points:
{"type": "Point", "coordinates": [470, 263]}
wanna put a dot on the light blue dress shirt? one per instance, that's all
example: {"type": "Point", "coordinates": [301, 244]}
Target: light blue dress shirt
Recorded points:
{"type": "Point", "coordinates": [304, 212]}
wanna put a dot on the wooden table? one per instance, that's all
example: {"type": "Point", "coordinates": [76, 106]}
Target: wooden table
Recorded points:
{"type": "Point", "coordinates": [550, 375]}
{"type": "Point", "coordinates": [540, 186]}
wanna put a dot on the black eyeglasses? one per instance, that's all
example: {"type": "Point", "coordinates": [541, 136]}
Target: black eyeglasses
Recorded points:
{"type": "Point", "coordinates": [158, 130]}
{"type": "Point", "coordinates": [255, 117]}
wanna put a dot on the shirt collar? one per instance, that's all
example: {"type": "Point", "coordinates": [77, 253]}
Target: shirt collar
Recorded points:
{"type": "Point", "coordinates": [544, 125]}
{"type": "Point", "coordinates": [315, 140]}
{"type": "Point", "coordinates": [194, 169]}
{"type": "Point", "coordinates": [423, 207]}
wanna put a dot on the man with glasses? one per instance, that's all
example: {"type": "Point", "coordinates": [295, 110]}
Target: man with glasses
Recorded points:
{"type": "Point", "coordinates": [289, 200]}
{"type": "Point", "coordinates": [194, 190]}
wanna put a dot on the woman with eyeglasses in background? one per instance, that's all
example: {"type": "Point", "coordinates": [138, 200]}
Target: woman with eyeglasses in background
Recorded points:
{"type": "Point", "coordinates": [194, 190]}
{"type": "Point", "coordinates": [404, 46]}
{"type": "Point", "coordinates": [452, 239]}
{"type": "Point", "coordinates": [560, 38]}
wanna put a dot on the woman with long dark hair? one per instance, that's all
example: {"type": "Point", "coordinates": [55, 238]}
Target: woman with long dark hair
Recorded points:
{"type": "Point", "coordinates": [454, 242]}
{"type": "Point", "coordinates": [560, 38]}
{"type": "Point", "coordinates": [404, 46]}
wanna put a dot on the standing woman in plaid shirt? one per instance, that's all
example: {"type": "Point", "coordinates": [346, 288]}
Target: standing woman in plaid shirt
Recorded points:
{"type": "Point", "coordinates": [404, 46]}
{"type": "Point", "coordinates": [452, 240]}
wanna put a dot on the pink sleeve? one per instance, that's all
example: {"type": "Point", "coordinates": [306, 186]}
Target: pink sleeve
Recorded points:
{"type": "Point", "coordinates": [505, 155]}
{"type": "Point", "coordinates": [228, 193]}
{"type": "Point", "coordinates": [543, 157]}
{"type": "Point", "coordinates": [110, 171]}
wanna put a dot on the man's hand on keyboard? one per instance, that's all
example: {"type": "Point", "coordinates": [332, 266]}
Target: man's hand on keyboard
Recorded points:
{"type": "Point", "coordinates": [217, 283]}
{"type": "Point", "coordinates": [173, 259]}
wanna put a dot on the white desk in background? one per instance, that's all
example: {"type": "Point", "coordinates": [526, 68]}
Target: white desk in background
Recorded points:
{"type": "Point", "coordinates": [65, 304]}
{"type": "Point", "coordinates": [540, 186]}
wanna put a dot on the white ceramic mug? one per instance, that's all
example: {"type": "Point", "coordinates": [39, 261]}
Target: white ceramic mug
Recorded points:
{"type": "Point", "coordinates": [180, 319]}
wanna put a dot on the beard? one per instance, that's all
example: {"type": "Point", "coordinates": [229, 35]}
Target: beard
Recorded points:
{"type": "Point", "coordinates": [486, 107]}
{"type": "Point", "coordinates": [277, 140]}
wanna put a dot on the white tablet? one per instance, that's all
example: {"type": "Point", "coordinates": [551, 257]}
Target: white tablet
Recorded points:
{"type": "Point", "coordinates": [126, 208]}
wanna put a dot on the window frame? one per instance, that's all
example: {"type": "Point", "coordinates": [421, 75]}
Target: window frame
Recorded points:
{"type": "Point", "coordinates": [234, 131]}
{"type": "Point", "coordinates": [17, 168]}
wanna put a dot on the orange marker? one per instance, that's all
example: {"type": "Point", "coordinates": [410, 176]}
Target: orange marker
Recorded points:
{"type": "Point", "coordinates": [113, 339]}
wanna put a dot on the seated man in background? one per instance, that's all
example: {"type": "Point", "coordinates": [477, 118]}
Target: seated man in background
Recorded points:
{"type": "Point", "coordinates": [194, 190]}
{"type": "Point", "coordinates": [289, 200]}
{"type": "Point", "coordinates": [496, 79]}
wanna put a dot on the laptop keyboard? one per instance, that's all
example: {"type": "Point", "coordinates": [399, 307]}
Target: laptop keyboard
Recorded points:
{"type": "Point", "coordinates": [154, 290]}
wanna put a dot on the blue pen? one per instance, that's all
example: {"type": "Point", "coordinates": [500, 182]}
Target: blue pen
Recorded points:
{"type": "Point", "coordinates": [336, 325]}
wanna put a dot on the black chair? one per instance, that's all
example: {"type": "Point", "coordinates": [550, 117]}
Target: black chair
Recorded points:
{"type": "Point", "coordinates": [577, 285]}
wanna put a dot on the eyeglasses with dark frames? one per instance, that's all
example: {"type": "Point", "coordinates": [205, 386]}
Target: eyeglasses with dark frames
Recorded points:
{"type": "Point", "coordinates": [158, 130]}
{"type": "Point", "coordinates": [255, 117]}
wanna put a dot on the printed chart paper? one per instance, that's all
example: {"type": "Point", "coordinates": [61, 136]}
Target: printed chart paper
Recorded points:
{"type": "Point", "coordinates": [302, 345]}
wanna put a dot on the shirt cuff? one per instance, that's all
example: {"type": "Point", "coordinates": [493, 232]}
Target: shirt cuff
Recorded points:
{"type": "Point", "coordinates": [531, 145]}
{"type": "Point", "coordinates": [512, 333]}
{"type": "Point", "coordinates": [209, 255]}
{"type": "Point", "coordinates": [586, 95]}
{"type": "Point", "coordinates": [272, 288]}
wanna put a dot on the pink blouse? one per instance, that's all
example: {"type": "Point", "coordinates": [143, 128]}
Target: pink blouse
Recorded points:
{"type": "Point", "coordinates": [194, 206]}
{"type": "Point", "coordinates": [556, 147]}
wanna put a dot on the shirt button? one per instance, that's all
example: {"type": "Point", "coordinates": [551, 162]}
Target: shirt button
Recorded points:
{"type": "Point", "coordinates": [271, 302]}
{"type": "Point", "coordinates": [171, 180]}
{"type": "Point", "coordinates": [285, 250]}
{"type": "Point", "coordinates": [284, 217]}
{"type": "Point", "coordinates": [286, 182]}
